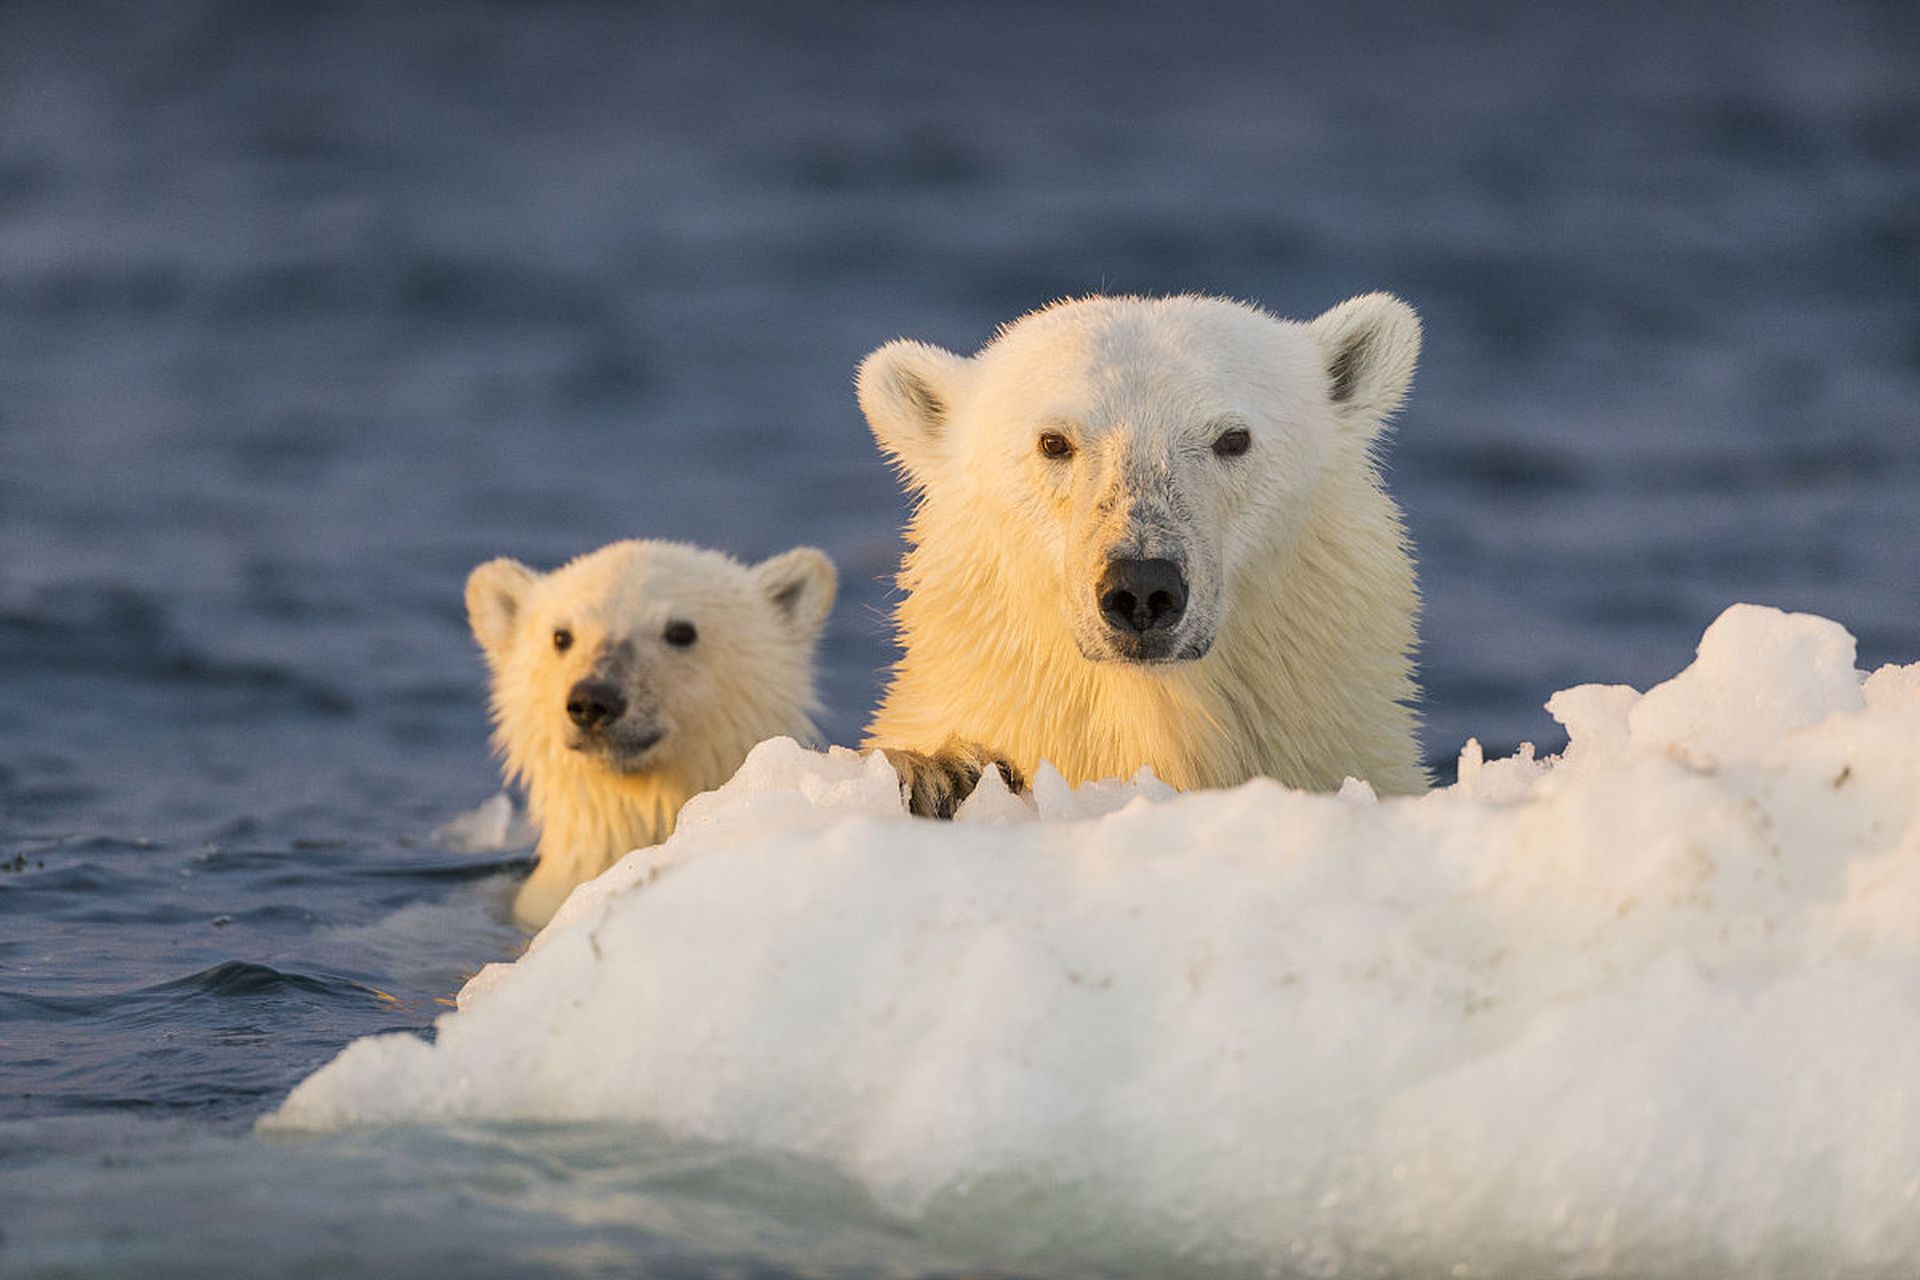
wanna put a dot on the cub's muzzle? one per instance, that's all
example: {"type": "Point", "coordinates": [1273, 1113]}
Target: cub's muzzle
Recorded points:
{"type": "Point", "coordinates": [594, 704]}
{"type": "Point", "coordinates": [608, 727]}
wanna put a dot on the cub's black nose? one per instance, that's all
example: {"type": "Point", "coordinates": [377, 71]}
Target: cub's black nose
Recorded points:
{"type": "Point", "coordinates": [1142, 595]}
{"type": "Point", "coordinates": [592, 703]}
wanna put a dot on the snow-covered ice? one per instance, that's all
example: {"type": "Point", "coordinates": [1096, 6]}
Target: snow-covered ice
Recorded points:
{"type": "Point", "coordinates": [494, 825]}
{"type": "Point", "coordinates": [1651, 1006]}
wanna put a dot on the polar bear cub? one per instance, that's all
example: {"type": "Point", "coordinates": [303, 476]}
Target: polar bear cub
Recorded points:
{"type": "Point", "coordinates": [635, 677]}
{"type": "Point", "coordinates": [1152, 531]}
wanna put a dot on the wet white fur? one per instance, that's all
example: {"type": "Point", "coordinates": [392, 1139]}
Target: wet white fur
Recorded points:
{"type": "Point", "coordinates": [748, 677]}
{"type": "Point", "coordinates": [1299, 570]}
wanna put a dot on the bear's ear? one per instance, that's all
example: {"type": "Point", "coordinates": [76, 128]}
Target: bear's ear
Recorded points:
{"type": "Point", "coordinates": [1368, 346]}
{"type": "Point", "coordinates": [907, 391]}
{"type": "Point", "coordinates": [494, 593]}
{"type": "Point", "coordinates": [801, 584]}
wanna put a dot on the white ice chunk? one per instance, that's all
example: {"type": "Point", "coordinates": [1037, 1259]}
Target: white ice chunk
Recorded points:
{"type": "Point", "coordinates": [1892, 686]}
{"type": "Point", "coordinates": [1650, 1009]}
{"type": "Point", "coordinates": [1358, 790]}
{"type": "Point", "coordinates": [495, 825]}
{"type": "Point", "coordinates": [1595, 718]}
{"type": "Point", "coordinates": [992, 801]}
{"type": "Point", "coordinates": [1760, 674]}
{"type": "Point", "coordinates": [1497, 781]}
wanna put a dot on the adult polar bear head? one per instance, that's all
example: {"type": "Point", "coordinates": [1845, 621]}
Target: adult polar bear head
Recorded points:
{"type": "Point", "coordinates": [1151, 531]}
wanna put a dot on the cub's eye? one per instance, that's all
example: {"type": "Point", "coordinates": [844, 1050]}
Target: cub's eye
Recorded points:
{"type": "Point", "coordinates": [1232, 443]}
{"type": "Point", "coordinates": [680, 634]}
{"type": "Point", "coordinates": [1054, 445]}
{"type": "Point", "coordinates": [562, 640]}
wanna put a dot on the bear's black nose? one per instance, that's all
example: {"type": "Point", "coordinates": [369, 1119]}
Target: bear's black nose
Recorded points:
{"type": "Point", "coordinates": [1142, 595]}
{"type": "Point", "coordinates": [592, 703]}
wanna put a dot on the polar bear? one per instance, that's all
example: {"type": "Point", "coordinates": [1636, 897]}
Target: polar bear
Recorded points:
{"type": "Point", "coordinates": [1152, 531]}
{"type": "Point", "coordinates": [635, 677]}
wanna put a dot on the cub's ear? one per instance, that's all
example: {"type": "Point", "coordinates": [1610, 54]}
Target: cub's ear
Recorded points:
{"type": "Point", "coordinates": [494, 593]}
{"type": "Point", "coordinates": [907, 390]}
{"type": "Point", "coordinates": [1368, 346]}
{"type": "Point", "coordinates": [802, 585]}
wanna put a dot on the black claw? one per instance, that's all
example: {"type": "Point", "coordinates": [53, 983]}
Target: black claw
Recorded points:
{"type": "Point", "coordinates": [936, 785]}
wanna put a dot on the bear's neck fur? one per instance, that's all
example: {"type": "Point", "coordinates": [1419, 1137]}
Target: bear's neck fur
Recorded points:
{"type": "Point", "coordinates": [590, 816]}
{"type": "Point", "coordinates": [1307, 681]}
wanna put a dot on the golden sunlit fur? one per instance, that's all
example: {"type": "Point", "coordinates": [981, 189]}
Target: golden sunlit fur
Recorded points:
{"type": "Point", "coordinates": [747, 676]}
{"type": "Point", "coordinates": [1303, 600]}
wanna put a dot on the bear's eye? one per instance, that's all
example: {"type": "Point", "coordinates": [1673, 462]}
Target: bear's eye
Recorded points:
{"type": "Point", "coordinates": [680, 634]}
{"type": "Point", "coordinates": [562, 640]}
{"type": "Point", "coordinates": [1232, 443]}
{"type": "Point", "coordinates": [1054, 445]}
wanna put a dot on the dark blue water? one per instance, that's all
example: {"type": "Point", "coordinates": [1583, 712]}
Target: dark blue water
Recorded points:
{"type": "Point", "coordinates": [307, 309]}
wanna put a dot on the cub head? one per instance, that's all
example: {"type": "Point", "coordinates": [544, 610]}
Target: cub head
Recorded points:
{"type": "Point", "coordinates": [1129, 457]}
{"type": "Point", "coordinates": [649, 656]}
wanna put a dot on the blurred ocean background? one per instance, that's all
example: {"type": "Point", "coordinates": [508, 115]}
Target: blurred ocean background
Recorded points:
{"type": "Point", "coordinates": [306, 309]}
